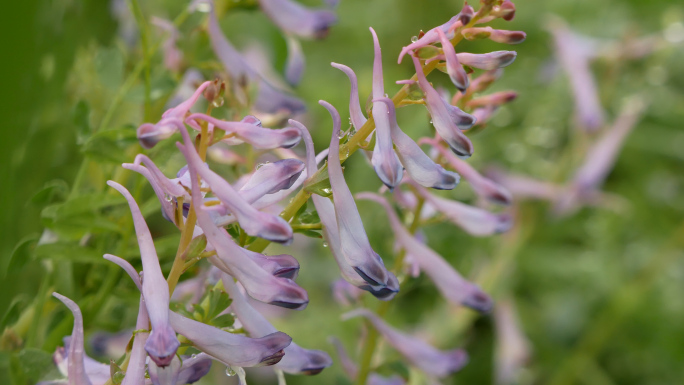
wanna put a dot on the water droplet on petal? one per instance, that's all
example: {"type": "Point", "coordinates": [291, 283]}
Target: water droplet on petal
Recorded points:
{"type": "Point", "coordinates": [217, 102]}
{"type": "Point", "coordinates": [229, 371]}
{"type": "Point", "coordinates": [430, 121]}
{"type": "Point", "coordinates": [414, 39]}
{"type": "Point", "coordinates": [325, 244]}
{"type": "Point", "coordinates": [193, 356]}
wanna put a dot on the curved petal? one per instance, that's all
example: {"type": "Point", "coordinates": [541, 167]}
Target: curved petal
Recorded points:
{"type": "Point", "coordinates": [167, 375]}
{"type": "Point", "coordinates": [432, 361]}
{"type": "Point", "coordinates": [354, 242]}
{"type": "Point", "coordinates": [297, 360]}
{"type": "Point", "coordinates": [447, 119]}
{"type": "Point", "coordinates": [271, 178]}
{"type": "Point", "coordinates": [162, 342]}
{"type": "Point", "coordinates": [135, 373]}
{"type": "Point", "coordinates": [449, 282]}
{"type": "Point", "coordinates": [456, 72]}
{"type": "Point", "coordinates": [294, 66]}
{"type": "Point", "coordinates": [259, 137]}
{"type": "Point", "coordinates": [254, 222]}
{"type": "Point", "coordinates": [355, 113]}
{"type": "Point", "coordinates": [487, 61]}
{"type": "Point", "coordinates": [384, 160]}
{"type": "Point", "coordinates": [194, 368]}
{"type": "Point", "coordinates": [431, 36]}
{"type": "Point", "coordinates": [76, 368]}
{"type": "Point", "coordinates": [419, 166]}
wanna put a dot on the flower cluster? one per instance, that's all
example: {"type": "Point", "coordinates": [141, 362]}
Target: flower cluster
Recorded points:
{"type": "Point", "coordinates": [230, 223]}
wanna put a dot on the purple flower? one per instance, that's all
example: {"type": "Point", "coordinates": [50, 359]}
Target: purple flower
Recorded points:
{"type": "Point", "coordinates": [355, 113]}
{"type": "Point", "coordinates": [150, 134]}
{"type": "Point", "coordinates": [455, 70]}
{"type": "Point", "coordinates": [297, 360]}
{"type": "Point", "coordinates": [487, 61]}
{"type": "Point", "coordinates": [194, 367]}
{"type": "Point", "coordinates": [162, 342]}
{"type": "Point", "coordinates": [260, 284]}
{"type": "Point", "coordinates": [76, 372]}
{"type": "Point", "coordinates": [354, 242]}
{"type": "Point", "coordinates": [254, 222]}
{"type": "Point", "coordinates": [484, 187]}
{"type": "Point", "coordinates": [281, 265]}
{"type": "Point", "coordinates": [269, 100]}
{"type": "Point", "coordinates": [436, 363]}
{"type": "Point", "coordinates": [296, 19]}
{"type": "Point", "coordinates": [418, 165]}
{"type": "Point", "coordinates": [448, 120]}
{"type": "Point", "coordinates": [432, 36]}
{"type": "Point", "coordinates": [474, 220]}
{"type": "Point", "coordinates": [384, 160]}
{"type": "Point", "coordinates": [135, 373]}
{"type": "Point", "coordinates": [294, 66]}
{"type": "Point", "coordinates": [271, 178]}
{"type": "Point", "coordinates": [576, 63]}
{"type": "Point", "coordinates": [257, 136]}
{"type": "Point", "coordinates": [331, 232]}
{"type": "Point", "coordinates": [449, 282]}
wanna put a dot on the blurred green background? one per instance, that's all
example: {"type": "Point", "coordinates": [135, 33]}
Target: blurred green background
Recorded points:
{"type": "Point", "coordinates": [599, 293]}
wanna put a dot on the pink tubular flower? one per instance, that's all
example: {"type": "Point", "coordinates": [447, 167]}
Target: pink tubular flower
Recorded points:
{"type": "Point", "coordinates": [167, 375]}
{"type": "Point", "coordinates": [135, 373]}
{"type": "Point", "coordinates": [384, 160]}
{"type": "Point", "coordinates": [354, 242]}
{"type": "Point", "coordinates": [76, 372]}
{"type": "Point", "coordinates": [432, 36]}
{"type": "Point", "coordinates": [450, 283]}
{"type": "Point", "coordinates": [448, 120]}
{"type": "Point", "coordinates": [331, 232]}
{"type": "Point", "coordinates": [433, 362]}
{"type": "Point", "coordinates": [257, 136]}
{"type": "Point", "coordinates": [296, 360]}
{"type": "Point", "coordinates": [162, 342]}
{"type": "Point", "coordinates": [271, 178]}
{"type": "Point", "coordinates": [231, 349]}
{"type": "Point", "coordinates": [297, 19]}
{"type": "Point", "coordinates": [230, 258]}
{"type": "Point", "coordinates": [150, 134]}
{"type": "Point", "coordinates": [455, 70]}
{"type": "Point", "coordinates": [474, 220]}
{"type": "Point", "coordinates": [355, 113]}
{"type": "Point", "coordinates": [487, 61]}
{"type": "Point", "coordinates": [418, 165]}
{"type": "Point", "coordinates": [254, 222]}
{"type": "Point", "coordinates": [269, 99]}
{"type": "Point", "coordinates": [484, 187]}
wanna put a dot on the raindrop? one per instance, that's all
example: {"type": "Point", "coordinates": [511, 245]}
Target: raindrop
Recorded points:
{"type": "Point", "coordinates": [414, 39]}
{"type": "Point", "coordinates": [217, 102]}
{"type": "Point", "coordinates": [193, 356]}
{"type": "Point", "coordinates": [430, 121]}
{"type": "Point", "coordinates": [386, 95]}
{"type": "Point", "coordinates": [260, 165]}
{"type": "Point", "coordinates": [325, 244]}
{"type": "Point", "coordinates": [229, 371]}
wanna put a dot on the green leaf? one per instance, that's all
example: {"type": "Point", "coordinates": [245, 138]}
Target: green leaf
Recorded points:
{"type": "Point", "coordinates": [13, 311]}
{"type": "Point", "coordinates": [82, 204]}
{"type": "Point", "coordinates": [199, 313]}
{"type": "Point", "coordinates": [53, 191]}
{"type": "Point", "coordinates": [69, 251]}
{"type": "Point", "coordinates": [180, 309]}
{"type": "Point", "coordinates": [22, 253]}
{"type": "Point", "coordinates": [309, 217]}
{"type": "Point", "coordinates": [223, 321]}
{"type": "Point", "coordinates": [319, 184]}
{"type": "Point", "coordinates": [36, 364]}
{"type": "Point", "coordinates": [218, 302]}
{"type": "Point", "coordinates": [414, 92]}
{"type": "Point", "coordinates": [111, 145]}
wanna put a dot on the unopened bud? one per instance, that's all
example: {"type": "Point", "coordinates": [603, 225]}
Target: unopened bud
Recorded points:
{"type": "Point", "coordinates": [467, 14]}
{"type": "Point", "coordinates": [507, 37]}
{"type": "Point", "coordinates": [507, 10]}
{"type": "Point", "coordinates": [495, 99]}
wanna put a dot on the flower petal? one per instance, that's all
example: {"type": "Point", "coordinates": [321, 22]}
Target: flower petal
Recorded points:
{"type": "Point", "coordinates": [295, 63]}
{"type": "Point", "coordinates": [135, 373]}
{"type": "Point", "coordinates": [449, 282]}
{"type": "Point", "coordinates": [355, 113]}
{"type": "Point", "coordinates": [431, 37]}
{"type": "Point", "coordinates": [455, 70]}
{"type": "Point", "coordinates": [487, 61]}
{"type": "Point", "coordinates": [432, 361]}
{"type": "Point", "coordinates": [259, 137]}
{"type": "Point", "coordinates": [167, 375]}
{"type": "Point", "coordinates": [271, 178]}
{"type": "Point", "coordinates": [297, 19]}
{"type": "Point", "coordinates": [162, 342]}
{"type": "Point", "coordinates": [76, 368]}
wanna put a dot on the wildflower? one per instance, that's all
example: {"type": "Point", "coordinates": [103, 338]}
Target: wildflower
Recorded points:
{"type": "Point", "coordinates": [162, 343]}
{"type": "Point", "coordinates": [484, 187]}
{"type": "Point", "coordinates": [418, 165]}
{"type": "Point", "coordinates": [354, 242]}
{"type": "Point", "coordinates": [449, 282]}
{"type": "Point", "coordinates": [486, 61]}
{"type": "Point", "coordinates": [76, 372]}
{"type": "Point", "coordinates": [281, 265]}
{"type": "Point", "coordinates": [296, 360]}
{"type": "Point", "coordinates": [355, 113]}
{"type": "Point", "coordinates": [260, 284]}
{"type": "Point", "coordinates": [575, 61]}
{"type": "Point", "coordinates": [173, 57]}
{"type": "Point", "coordinates": [448, 120]}
{"type": "Point", "coordinates": [257, 136]}
{"type": "Point", "coordinates": [384, 160]}
{"type": "Point", "coordinates": [254, 222]}
{"type": "Point", "coordinates": [150, 134]}
{"type": "Point", "coordinates": [135, 373]}
{"type": "Point", "coordinates": [294, 65]}
{"type": "Point", "coordinates": [455, 70]}
{"type": "Point", "coordinates": [294, 18]}
{"type": "Point", "coordinates": [433, 362]}
{"type": "Point", "coordinates": [194, 367]}
{"type": "Point", "coordinates": [166, 375]}
{"type": "Point", "coordinates": [331, 232]}
{"type": "Point", "coordinates": [231, 349]}
{"type": "Point", "coordinates": [496, 35]}
{"type": "Point", "coordinates": [475, 221]}
{"type": "Point", "coordinates": [269, 100]}
{"type": "Point", "coordinates": [271, 178]}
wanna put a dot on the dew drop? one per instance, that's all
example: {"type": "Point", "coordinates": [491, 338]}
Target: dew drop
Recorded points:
{"type": "Point", "coordinates": [386, 95]}
{"type": "Point", "coordinates": [260, 165]}
{"type": "Point", "coordinates": [414, 39]}
{"type": "Point", "coordinates": [229, 371]}
{"type": "Point", "coordinates": [430, 121]}
{"type": "Point", "coordinates": [193, 356]}
{"type": "Point", "coordinates": [217, 102]}
{"type": "Point", "coordinates": [325, 244]}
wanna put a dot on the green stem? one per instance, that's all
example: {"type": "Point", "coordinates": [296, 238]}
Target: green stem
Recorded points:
{"type": "Point", "coordinates": [143, 26]}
